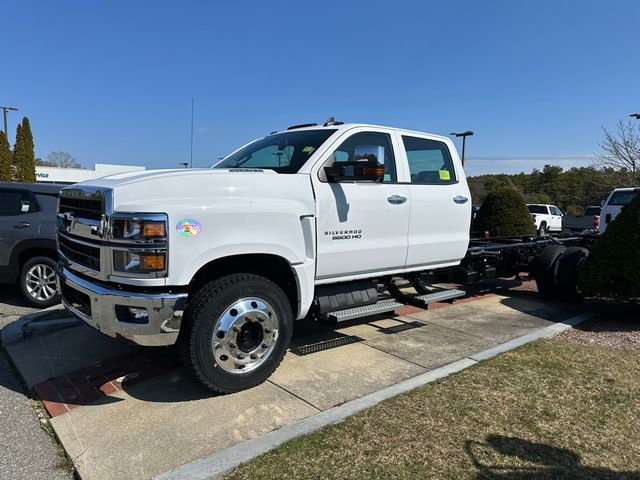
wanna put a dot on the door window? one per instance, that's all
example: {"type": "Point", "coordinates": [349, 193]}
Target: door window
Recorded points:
{"type": "Point", "coordinates": [16, 202]}
{"type": "Point", "coordinates": [429, 161]}
{"type": "Point", "coordinates": [555, 211]}
{"type": "Point", "coordinates": [367, 146]}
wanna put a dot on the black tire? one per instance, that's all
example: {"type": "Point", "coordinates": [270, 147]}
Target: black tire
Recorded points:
{"type": "Point", "coordinates": [207, 316]}
{"type": "Point", "coordinates": [545, 269]}
{"type": "Point", "coordinates": [36, 288]}
{"type": "Point", "coordinates": [569, 266]}
{"type": "Point", "coordinates": [543, 228]}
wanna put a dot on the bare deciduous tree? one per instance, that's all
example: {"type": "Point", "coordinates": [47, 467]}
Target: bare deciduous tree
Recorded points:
{"type": "Point", "coordinates": [621, 150]}
{"type": "Point", "coordinates": [63, 160]}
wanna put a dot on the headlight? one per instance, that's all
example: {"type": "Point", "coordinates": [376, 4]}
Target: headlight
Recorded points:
{"type": "Point", "coordinates": [139, 262]}
{"type": "Point", "coordinates": [137, 229]}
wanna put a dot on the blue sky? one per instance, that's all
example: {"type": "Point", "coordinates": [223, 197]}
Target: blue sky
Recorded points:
{"type": "Point", "coordinates": [112, 82]}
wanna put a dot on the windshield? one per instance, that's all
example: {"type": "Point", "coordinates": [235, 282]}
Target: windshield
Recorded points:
{"type": "Point", "coordinates": [623, 197]}
{"type": "Point", "coordinates": [283, 152]}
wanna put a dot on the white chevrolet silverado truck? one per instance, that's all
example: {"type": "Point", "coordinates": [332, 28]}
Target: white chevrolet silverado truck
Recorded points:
{"type": "Point", "coordinates": [309, 222]}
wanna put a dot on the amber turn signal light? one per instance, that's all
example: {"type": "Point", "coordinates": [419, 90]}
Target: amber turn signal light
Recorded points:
{"type": "Point", "coordinates": [378, 171]}
{"type": "Point", "coordinates": [152, 262]}
{"type": "Point", "coordinates": [155, 229]}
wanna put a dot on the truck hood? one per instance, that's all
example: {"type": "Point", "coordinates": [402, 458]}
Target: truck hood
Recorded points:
{"type": "Point", "coordinates": [178, 174]}
{"type": "Point", "coordinates": [203, 188]}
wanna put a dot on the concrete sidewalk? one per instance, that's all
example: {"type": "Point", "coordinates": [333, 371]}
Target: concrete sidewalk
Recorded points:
{"type": "Point", "coordinates": [145, 420]}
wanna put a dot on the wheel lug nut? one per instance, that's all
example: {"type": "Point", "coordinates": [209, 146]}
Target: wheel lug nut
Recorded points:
{"type": "Point", "coordinates": [266, 330]}
{"type": "Point", "coordinates": [260, 319]}
{"type": "Point", "coordinates": [253, 356]}
{"type": "Point", "coordinates": [232, 345]}
{"type": "Point", "coordinates": [239, 356]}
{"type": "Point", "coordinates": [264, 345]}
{"type": "Point", "coordinates": [236, 328]}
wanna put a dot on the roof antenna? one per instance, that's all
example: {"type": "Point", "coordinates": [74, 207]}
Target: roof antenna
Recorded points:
{"type": "Point", "coordinates": [332, 121]}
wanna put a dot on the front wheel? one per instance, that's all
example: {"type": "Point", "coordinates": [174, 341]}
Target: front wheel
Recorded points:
{"type": "Point", "coordinates": [237, 330]}
{"type": "Point", "coordinates": [38, 282]}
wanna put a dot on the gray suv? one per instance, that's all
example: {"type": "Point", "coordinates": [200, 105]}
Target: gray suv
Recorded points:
{"type": "Point", "coordinates": [28, 240]}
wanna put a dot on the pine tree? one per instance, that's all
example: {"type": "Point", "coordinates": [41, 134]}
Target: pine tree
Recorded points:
{"type": "Point", "coordinates": [504, 213]}
{"type": "Point", "coordinates": [24, 156]}
{"type": "Point", "coordinates": [6, 159]}
{"type": "Point", "coordinates": [612, 269]}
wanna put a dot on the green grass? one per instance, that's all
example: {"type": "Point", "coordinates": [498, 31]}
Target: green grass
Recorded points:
{"type": "Point", "coordinates": [551, 409]}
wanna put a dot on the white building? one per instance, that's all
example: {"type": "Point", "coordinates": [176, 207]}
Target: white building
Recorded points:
{"type": "Point", "coordinates": [73, 175]}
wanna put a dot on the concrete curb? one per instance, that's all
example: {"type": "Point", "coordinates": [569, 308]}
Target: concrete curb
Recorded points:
{"type": "Point", "coordinates": [29, 326]}
{"type": "Point", "coordinates": [221, 462]}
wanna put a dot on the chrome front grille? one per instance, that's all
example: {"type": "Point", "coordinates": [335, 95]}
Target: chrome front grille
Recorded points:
{"type": "Point", "coordinates": [83, 214]}
{"type": "Point", "coordinates": [79, 252]}
{"type": "Point", "coordinates": [88, 204]}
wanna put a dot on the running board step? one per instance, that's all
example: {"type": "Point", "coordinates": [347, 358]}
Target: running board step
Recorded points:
{"type": "Point", "coordinates": [440, 296]}
{"type": "Point", "coordinates": [364, 311]}
{"type": "Point", "coordinates": [420, 301]}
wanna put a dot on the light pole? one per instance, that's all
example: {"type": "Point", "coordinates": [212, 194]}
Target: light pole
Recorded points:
{"type": "Point", "coordinates": [635, 115]}
{"type": "Point", "coordinates": [4, 114]}
{"type": "Point", "coordinates": [464, 136]}
{"type": "Point", "coordinates": [191, 150]}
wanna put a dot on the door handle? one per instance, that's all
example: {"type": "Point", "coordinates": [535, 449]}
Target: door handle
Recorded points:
{"type": "Point", "coordinates": [22, 225]}
{"type": "Point", "coordinates": [396, 199]}
{"type": "Point", "coordinates": [460, 199]}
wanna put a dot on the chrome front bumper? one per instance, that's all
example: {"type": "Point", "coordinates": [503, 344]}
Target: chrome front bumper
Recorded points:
{"type": "Point", "coordinates": [105, 307]}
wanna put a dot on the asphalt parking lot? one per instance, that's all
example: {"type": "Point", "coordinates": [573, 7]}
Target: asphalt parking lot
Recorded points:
{"type": "Point", "coordinates": [26, 451]}
{"type": "Point", "coordinates": [123, 411]}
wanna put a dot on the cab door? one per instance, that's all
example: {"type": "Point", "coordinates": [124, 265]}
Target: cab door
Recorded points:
{"type": "Point", "coordinates": [362, 226]}
{"type": "Point", "coordinates": [556, 218]}
{"type": "Point", "coordinates": [19, 216]}
{"type": "Point", "coordinates": [440, 211]}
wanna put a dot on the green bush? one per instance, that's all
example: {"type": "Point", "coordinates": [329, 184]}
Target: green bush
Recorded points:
{"type": "Point", "coordinates": [612, 268]}
{"type": "Point", "coordinates": [504, 213]}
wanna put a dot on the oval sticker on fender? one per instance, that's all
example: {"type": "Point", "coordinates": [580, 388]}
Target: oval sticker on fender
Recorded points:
{"type": "Point", "coordinates": [188, 227]}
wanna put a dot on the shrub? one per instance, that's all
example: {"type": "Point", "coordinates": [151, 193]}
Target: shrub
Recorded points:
{"type": "Point", "coordinates": [504, 213]}
{"type": "Point", "coordinates": [612, 268]}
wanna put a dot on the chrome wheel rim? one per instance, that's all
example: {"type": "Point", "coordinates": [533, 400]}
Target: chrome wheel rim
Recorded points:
{"type": "Point", "coordinates": [41, 282]}
{"type": "Point", "coordinates": [245, 335]}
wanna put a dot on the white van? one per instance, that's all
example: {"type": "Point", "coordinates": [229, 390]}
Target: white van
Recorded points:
{"type": "Point", "coordinates": [612, 206]}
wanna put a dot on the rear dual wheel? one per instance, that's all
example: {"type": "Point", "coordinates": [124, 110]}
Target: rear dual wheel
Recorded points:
{"type": "Point", "coordinates": [237, 331]}
{"type": "Point", "coordinates": [557, 269]}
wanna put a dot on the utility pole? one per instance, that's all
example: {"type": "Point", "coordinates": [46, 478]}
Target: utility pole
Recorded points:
{"type": "Point", "coordinates": [191, 154]}
{"type": "Point", "coordinates": [464, 136]}
{"type": "Point", "coordinates": [4, 114]}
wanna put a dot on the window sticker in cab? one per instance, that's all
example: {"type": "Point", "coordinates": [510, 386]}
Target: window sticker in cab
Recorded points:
{"type": "Point", "coordinates": [188, 227]}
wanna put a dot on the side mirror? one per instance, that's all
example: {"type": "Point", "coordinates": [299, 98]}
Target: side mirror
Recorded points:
{"type": "Point", "coordinates": [355, 172]}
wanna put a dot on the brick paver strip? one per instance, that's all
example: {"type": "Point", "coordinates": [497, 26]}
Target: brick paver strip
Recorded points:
{"type": "Point", "coordinates": [88, 384]}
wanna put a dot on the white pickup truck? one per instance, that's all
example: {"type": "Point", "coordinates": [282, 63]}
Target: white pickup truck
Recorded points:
{"type": "Point", "coordinates": [305, 222]}
{"type": "Point", "coordinates": [612, 206]}
{"type": "Point", "coordinates": [548, 218]}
